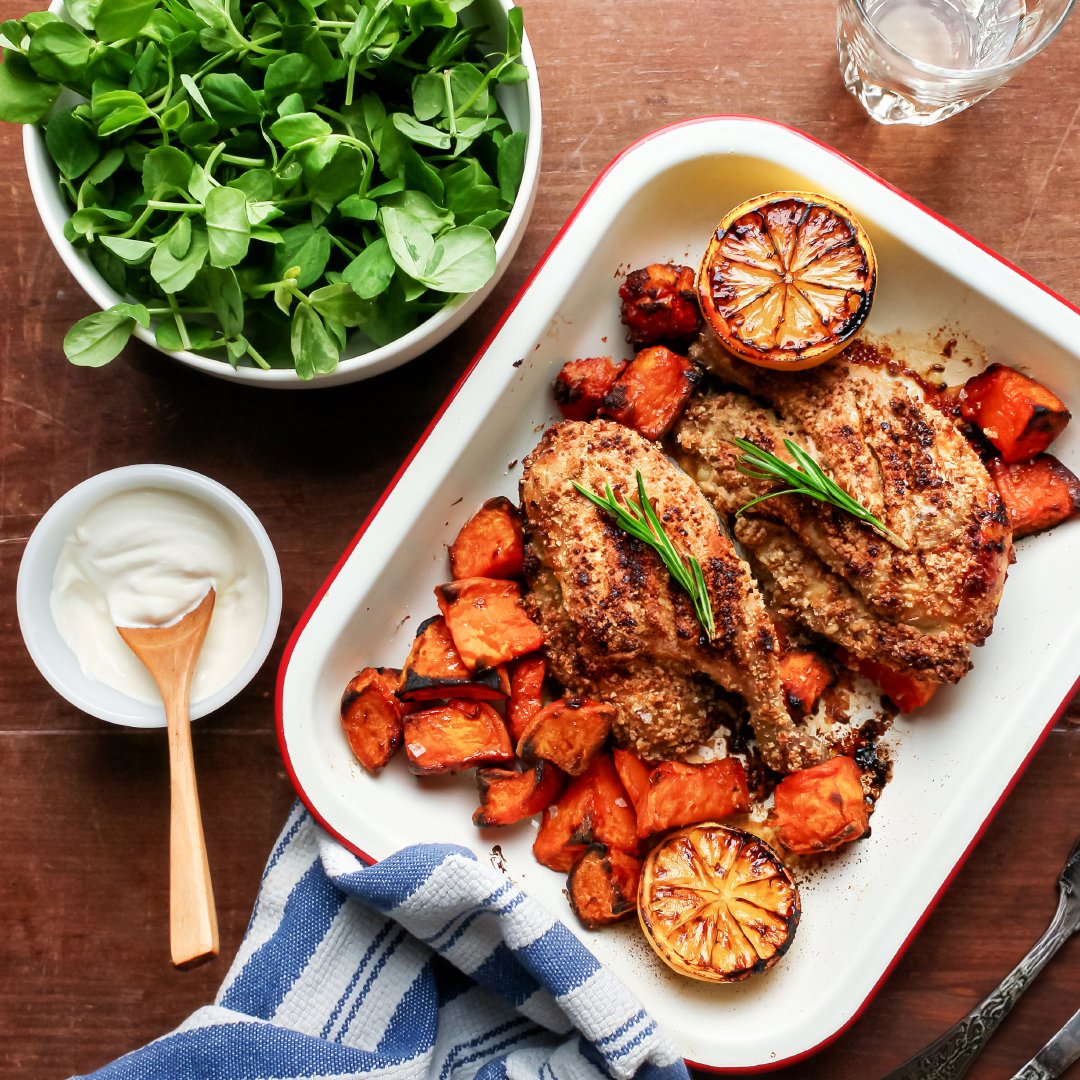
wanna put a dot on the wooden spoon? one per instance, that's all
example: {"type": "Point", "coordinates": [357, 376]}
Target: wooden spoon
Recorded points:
{"type": "Point", "coordinates": [169, 653]}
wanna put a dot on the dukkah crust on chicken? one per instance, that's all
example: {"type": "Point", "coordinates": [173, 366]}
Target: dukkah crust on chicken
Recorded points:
{"type": "Point", "coordinates": [617, 627]}
{"type": "Point", "coordinates": [918, 610]}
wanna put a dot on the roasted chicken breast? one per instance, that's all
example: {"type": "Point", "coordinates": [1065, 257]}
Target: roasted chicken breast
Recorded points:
{"type": "Point", "coordinates": [918, 610]}
{"type": "Point", "coordinates": [617, 628]}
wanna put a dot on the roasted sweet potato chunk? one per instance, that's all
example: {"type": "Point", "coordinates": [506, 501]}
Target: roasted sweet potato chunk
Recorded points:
{"type": "Point", "coordinates": [1037, 494]}
{"type": "Point", "coordinates": [820, 808]}
{"type": "Point", "coordinates": [683, 794]}
{"type": "Point", "coordinates": [594, 807]}
{"type": "Point", "coordinates": [581, 385]}
{"type": "Point", "coordinates": [602, 885]}
{"type": "Point", "coordinates": [1020, 416]}
{"type": "Point", "coordinates": [434, 670]}
{"type": "Point", "coordinates": [372, 716]}
{"type": "Point", "coordinates": [613, 819]}
{"type": "Point", "coordinates": [507, 796]}
{"type": "Point", "coordinates": [659, 304]}
{"type": "Point", "coordinates": [566, 828]}
{"type": "Point", "coordinates": [487, 621]}
{"type": "Point", "coordinates": [527, 676]}
{"type": "Point", "coordinates": [652, 391]}
{"type": "Point", "coordinates": [634, 774]}
{"type": "Point", "coordinates": [805, 676]}
{"type": "Point", "coordinates": [907, 692]}
{"type": "Point", "coordinates": [567, 732]}
{"type": "Point", "coordinates": [490, 543]}
{"type": "Point", "coordinates": [455, 736]}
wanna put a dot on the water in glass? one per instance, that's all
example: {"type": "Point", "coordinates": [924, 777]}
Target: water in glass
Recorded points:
{"type": "Point", "coordinates": [919, 61]}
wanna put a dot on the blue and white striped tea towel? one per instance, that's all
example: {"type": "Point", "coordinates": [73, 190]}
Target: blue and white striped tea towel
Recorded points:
{"type": "Point", "coordinates": [429, 964]}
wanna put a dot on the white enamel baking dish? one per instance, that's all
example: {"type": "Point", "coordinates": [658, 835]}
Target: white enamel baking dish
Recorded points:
{"type": "Point", "coordinates": [954, 762]}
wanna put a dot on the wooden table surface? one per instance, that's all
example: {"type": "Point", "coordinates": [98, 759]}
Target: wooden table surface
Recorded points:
{"type": "Point", "coordinates": [83, 900]}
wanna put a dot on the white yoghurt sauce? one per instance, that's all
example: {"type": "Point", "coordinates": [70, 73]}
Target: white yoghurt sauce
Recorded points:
{"type": "Point", "coordinates": [145, 558]}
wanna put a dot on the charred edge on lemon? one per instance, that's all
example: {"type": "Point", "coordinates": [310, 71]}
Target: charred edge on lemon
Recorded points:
{"type": "Point", "coordinates": [751, 847]}
{"type": "Point", "coordinates": [711, 294]}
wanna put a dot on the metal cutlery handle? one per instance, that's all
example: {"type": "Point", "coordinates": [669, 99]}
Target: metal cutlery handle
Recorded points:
{"type": "Point", "coordinates": [950, 1056]}
{"type": "Point", "coordinates": [1057, 1055]}
{"type": "Point", "coordinates": [1034, 1071]}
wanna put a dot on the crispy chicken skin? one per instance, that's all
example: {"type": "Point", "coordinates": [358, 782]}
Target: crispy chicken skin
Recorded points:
{"type": "Point", "coordinates": [917, 611]}
{"type": "Point", "coordinates": [616, 626]}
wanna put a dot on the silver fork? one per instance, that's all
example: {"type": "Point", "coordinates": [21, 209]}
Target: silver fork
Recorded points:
{"type": "Point", "coordinates": [950, 1056]}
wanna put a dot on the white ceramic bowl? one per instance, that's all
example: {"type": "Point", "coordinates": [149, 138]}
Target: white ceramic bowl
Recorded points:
{"type": "Point", "coordinates": [54, 658]}
{"type": "Point", "coordinates": [521, 104]}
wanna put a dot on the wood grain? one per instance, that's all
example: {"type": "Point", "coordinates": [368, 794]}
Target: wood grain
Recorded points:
{"type": "Point", "coordinates": [84, 901]}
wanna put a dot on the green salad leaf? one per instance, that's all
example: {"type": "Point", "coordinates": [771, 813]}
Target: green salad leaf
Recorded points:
{"type": "Point", "coordinates": [263, 180]}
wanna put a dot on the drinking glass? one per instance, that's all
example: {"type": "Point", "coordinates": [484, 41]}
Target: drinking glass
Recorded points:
{"type": "Point", "coordinates": [920, 61]}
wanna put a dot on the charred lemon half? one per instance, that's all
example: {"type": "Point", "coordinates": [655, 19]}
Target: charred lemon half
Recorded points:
{"type": "Point", "coordinates": [787, 279]}
{"type": "Point", "coordinates": [717, 903]}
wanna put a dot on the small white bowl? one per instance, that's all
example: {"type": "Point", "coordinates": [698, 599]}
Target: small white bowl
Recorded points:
{"type": "Point", "coordinates": [52, 655]}
{"type": "Point", "coordinates": [520, 102]}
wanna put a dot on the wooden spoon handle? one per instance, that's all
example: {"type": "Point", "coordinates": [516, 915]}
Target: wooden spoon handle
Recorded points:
{"type": "Point", "coordinates": [192, 916]}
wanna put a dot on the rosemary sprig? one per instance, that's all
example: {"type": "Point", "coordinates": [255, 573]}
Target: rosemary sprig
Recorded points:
{"type": "Point", "coordinates": [641, 522]}
{"type": "Point", "coordinates": [805, 479]}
